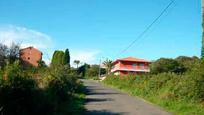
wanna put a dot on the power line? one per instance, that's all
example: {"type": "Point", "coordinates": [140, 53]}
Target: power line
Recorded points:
{"type": "Point", "coordinates": [148, 27]}
{"type": "Point", "coordinates": [155, 26]}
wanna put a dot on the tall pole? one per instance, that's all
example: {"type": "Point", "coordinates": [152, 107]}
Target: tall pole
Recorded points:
{"type": "Point", "coordinates": [99, 69]}
{"type": "Point", "coordinates": [202, 4]}
{"type": "Point", "coordinates": [202, 50]}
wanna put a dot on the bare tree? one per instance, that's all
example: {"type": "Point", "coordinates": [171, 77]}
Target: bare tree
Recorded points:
{"type": "Point", "coordinates": [3, 54]}
{"type": "Point", "coordinates": [14, 53]}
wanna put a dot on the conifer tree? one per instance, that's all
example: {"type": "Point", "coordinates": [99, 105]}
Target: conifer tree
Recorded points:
{"type": "Point", "coordinates": [57, 58]}
{"type": "Point", "coordinates": [66, 58]}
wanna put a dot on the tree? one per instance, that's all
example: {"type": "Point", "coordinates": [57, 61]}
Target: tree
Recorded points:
{"type": "Point", "coordinates": [41, 64]}
{"type": "Point", "coordinates": [92, 71]}
{"type": "Point", "coordinates": [108, 64]}
{"type": "Point", "coordinates": [186, 62]}
{"type": "Point", "coordinates": [60, 57]}
{"type": "Point", "coordinates": [14, 53]}
{"type": "Point", "coordinates": [66, 58]}
{"type": "Point", "coordinates": [57, 58]}
{"type": "Point", "coordinates": [54, 58]}
{"type": "Point", "coordinates": [9, 55]}
{"type": "Point", "coordinates": [166, 65]}
{"type": "Point", "coordinates": [3, 54]}
{"type": "Point", "coordinates": [82, 70]}
{"type": "Point", "coordinates": [77, 62]}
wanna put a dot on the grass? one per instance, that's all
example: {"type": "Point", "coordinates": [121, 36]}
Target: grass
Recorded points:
{"type": "Point", "coordinates": [75, 105]}
{"type": "Point", "coordinates": [161, 98]}
{"type": "Point", "coordinates": [178, 107]}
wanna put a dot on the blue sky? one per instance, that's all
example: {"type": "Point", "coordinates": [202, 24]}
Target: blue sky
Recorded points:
{"type": "Point", "coordinates": [94, 29]}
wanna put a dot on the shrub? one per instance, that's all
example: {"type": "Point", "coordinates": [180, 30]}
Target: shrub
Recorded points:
{"type": "Point", "coordinates": [20, 94]}
{"type": "Point", "coordinates": [188, 86]}
{"type": "Point", "coordinates": [17, 96]}
{"type": "Point", "coordinates": [165, 65]}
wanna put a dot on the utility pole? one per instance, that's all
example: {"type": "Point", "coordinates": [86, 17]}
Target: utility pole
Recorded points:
{"type": "Point", "coordinates": [202, 49]}
{"type": "Point", "coordinates": [99, 69]}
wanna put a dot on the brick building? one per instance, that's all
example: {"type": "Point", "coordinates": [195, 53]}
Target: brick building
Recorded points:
{"type": "Point", "coordinates": [30, 56]}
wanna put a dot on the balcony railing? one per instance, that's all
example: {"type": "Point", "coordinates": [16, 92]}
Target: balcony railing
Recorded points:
{"type": "Point", "coordinates": [132, 69]}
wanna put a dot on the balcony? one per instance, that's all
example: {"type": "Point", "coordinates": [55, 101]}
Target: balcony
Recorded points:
{"type": "Point", "coordinates": [128, 69]}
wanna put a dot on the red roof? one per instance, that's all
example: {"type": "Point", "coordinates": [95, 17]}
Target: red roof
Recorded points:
{"type": "Point", "coordinates": [132, 59]}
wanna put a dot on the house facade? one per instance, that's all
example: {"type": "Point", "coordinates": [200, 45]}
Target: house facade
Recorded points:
{"type": "Point", "coordinates": [30, 56]}
{"type": "Point", "coordinates": [130, 65]}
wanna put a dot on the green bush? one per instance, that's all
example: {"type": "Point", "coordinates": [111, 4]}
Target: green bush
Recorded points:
{"type": "Point", "coordinates": [165, 65]}
{"type": "Point", "coordinates": [17, 96]}
{"type": "Point", "coordinates": [22, 94]}
{"type": "Point", "coordinates": [178, 65]}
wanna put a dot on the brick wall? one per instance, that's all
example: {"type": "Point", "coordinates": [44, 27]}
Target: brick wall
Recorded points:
{"type": "Point", "coordinates": [30, 56]}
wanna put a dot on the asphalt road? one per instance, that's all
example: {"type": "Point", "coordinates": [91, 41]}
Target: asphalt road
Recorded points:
{"type": "Point", "coordinates": [102, 100]}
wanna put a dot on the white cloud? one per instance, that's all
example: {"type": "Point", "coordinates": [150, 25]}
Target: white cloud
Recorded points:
{"type": "Point", "coordinates": [27, 37]}
{"type": "Point", "coordinates": [24, 36]}
{"type": "Point", "coordinates": [89, 57]}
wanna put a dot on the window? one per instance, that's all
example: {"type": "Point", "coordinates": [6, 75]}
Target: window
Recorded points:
{"type": "Point", "coordinates": [142, 66]}
{"type": "Point", "coordinates": [28, 58]}
{"type": "Point", "coordinates": [134, 66]}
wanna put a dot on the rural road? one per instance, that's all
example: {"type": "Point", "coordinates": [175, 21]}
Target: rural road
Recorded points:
{"type": "Point", "coordinates": [102, 100]}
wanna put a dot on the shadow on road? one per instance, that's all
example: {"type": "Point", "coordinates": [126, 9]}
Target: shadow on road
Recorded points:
{"type": "Point", "coordinates": [101, 93]}
{"type": "Point", "coordinates": [99, 112]}
{"type": "Point", "coordinates": [96, 97]}
{"type": "Point", "coordinates": [89, 100]}
{"type": "Point", "coordinates": [102, 113]}
{"type": "Point", "coordinates": [99, 100]}
{"type": "Point", "coordinates": [92, 91]}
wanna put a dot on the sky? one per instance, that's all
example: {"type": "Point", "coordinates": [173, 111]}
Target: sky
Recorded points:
{"type": "Point", "coordinates": [101, 29]}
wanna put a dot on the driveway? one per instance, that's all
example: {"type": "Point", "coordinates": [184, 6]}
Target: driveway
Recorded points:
{"type": "Point", "coordinates": [102, 100]}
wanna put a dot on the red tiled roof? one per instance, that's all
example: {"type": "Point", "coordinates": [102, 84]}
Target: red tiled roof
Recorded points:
{"type": "Point", "coordinates": [133, 59]}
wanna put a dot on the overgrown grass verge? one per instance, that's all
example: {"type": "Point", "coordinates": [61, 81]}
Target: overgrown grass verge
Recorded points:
{"type": "Point", "coordinates": [75, 106]}
{"type": "Point", "coordinates": [166, 90]}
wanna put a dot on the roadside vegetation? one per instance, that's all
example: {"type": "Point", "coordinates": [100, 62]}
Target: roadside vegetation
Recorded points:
{"type": "Point", "coordinates": [87, 71]}
{"type": "Point", "coordinates": [42, 90]}
{"type": "Point", "coordinates": [175, 84]}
